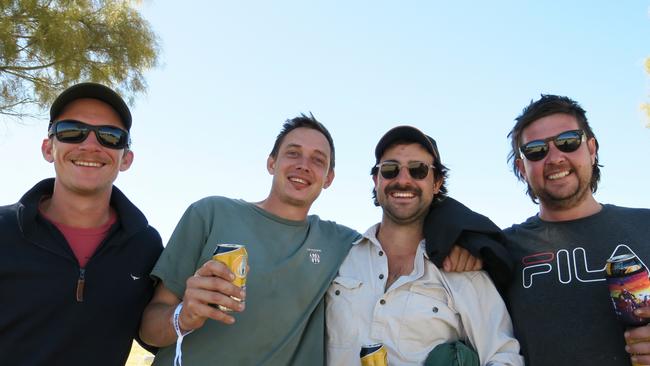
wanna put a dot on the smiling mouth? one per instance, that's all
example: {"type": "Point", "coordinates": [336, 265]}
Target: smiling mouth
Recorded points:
{"type": "Point", "coordinates": [298, 180]}
{"type": "Point", "coordinates": [558, 175]}
{"type": "Point", "coordinates": [398, 194]}
{"type": "Point", "coordinates": [91, 164]}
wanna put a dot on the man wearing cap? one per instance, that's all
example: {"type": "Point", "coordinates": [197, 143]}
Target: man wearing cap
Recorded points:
{"type": "Point", "coordinates": [75, 253]}
{"type": "Point", "coordinates": [388, 292]}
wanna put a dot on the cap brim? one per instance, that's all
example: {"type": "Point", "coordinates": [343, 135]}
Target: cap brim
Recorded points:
{"type": "Point", "coordinates": [95, 91]}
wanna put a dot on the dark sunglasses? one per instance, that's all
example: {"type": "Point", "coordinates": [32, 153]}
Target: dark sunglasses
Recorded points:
{"type": "Point", "coordinates": [567, 141]}
{"type": "Point", "coordinates": [417, 169]}
{"type": "Point", "coordinates": [74, 132]}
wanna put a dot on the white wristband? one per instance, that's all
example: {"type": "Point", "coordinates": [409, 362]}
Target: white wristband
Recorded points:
{"type": "Point", "coordinates": [178, 358]}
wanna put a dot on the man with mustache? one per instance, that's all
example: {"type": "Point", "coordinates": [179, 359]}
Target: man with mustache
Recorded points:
{"type": "Point", "coordinates": [388, 291]}
{"type": "Point", "coordinates": [75, 253]}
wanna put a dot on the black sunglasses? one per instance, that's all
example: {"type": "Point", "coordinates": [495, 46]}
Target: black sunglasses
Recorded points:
{"type": "Point", "coordinates": [417, 169]}
{"type": "Point", "coordinates": [567, 141]}
{"type": "Point", "coordinates": [74, 132]}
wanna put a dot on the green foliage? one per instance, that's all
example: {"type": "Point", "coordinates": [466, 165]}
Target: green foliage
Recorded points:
{"type": "Point", "coordinates": [47, 45]}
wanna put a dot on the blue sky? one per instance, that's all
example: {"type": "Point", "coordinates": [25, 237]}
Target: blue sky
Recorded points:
{"type": "Point", "coordinates": [232, 72]}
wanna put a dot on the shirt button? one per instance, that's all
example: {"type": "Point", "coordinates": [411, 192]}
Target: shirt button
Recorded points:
{"type": "Point", "coordinates": [382, 301]}
{"type": "Point", "coordinates": [381, 253]}
{"type": "Point", "coordinates": [337, 292]}
{"type": "Point", "coordinates": [381, 276]}
{"type": "Point", "coordinates": [435, 309]}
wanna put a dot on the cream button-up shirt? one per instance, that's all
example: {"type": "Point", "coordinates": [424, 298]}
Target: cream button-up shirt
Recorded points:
{"type": "Point", "coordinates": [418, 312]}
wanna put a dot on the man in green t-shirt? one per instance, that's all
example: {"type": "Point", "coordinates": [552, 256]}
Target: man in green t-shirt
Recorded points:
{"type": "Point", "coordinates": [294, 258]}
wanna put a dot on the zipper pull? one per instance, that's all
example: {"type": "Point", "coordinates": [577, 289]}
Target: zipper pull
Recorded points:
{"type": "Point", "coordinates": [81, 282]}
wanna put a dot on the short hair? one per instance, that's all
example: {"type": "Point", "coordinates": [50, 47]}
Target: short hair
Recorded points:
{"type": "Point", "coordinates": [547, 105]}
{"type": "Point", "coordinates": [306, 122]}
{"type": "Point", "coordinates": [439, 172]}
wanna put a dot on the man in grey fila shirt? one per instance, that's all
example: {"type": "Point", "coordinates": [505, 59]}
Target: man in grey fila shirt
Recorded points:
{"type": "Point", "coordinates": [559, 301]}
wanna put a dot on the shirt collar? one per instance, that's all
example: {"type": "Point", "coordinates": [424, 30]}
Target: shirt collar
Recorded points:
{"type": "Point", "coordinates": [370, 236]}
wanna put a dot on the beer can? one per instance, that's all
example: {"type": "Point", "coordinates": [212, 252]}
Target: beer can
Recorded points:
{"type": "Point", "coordinates": [629, 287]}
{"type": "Point", "coordinates": [235, 257]}
{"type": "Point", "coordinates": [373, 355]}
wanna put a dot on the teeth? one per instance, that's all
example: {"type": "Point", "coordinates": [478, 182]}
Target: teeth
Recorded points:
{"type": "Point", "coordinates": [558, 175]}
{"type": "Point", "coordinates": [403, 194]}
{"type": "Point", "coordinates": [87, 163]}
{"type": "Point", "coordinates": [298, 180]}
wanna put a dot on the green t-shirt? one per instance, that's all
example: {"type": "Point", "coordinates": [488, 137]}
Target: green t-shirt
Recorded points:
{"type": "Point", "coordinates": [291, 266]}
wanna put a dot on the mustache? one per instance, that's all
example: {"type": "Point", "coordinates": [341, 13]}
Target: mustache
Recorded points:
{"type": "Point", "coordinates": [401, 188]}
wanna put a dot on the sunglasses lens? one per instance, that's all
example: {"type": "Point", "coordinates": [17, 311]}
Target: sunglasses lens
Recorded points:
{"type": "Point", "coordinates": [418, 170]}
{"type": "Point", "coordinates": [389, 170]}
{"type": "Point", "coordinates": [70, 132]}
{"type": "Point", "coordinates": [112, 137]}
{"type": "Point", "coordinates": [568, 141]}
{"type": "Point", "coordinates": [535, 150]}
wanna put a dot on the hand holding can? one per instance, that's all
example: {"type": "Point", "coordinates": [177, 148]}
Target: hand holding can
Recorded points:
{"type": "Point", "coordinates": [629, 287]}
{"type": "Point", "coordinates": [235, 257]}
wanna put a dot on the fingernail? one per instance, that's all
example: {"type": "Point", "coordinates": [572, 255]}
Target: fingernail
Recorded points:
{"type": "Point", "coordinates": [627, 349]}
{"type": "Point", "coordinates": [626, 334]}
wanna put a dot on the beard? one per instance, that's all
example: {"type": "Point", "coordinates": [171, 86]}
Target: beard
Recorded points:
{"type": "Point", "coordinates": [566, 200]}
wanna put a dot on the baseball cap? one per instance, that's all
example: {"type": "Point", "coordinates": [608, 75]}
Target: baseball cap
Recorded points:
{"type": "Point", "coordinates": [95, 91]}
{"type": "Point", "coordinates": [406, 133]}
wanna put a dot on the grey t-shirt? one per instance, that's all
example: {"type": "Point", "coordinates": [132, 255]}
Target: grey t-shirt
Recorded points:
{"type": "Point", "coordinates": [559, 301]}
{"type": "Point", "coordinates": [291, 266]}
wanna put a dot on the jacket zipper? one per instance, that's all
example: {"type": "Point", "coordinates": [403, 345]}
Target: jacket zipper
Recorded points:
{"type": "Point", "coordinates": [81, 282]}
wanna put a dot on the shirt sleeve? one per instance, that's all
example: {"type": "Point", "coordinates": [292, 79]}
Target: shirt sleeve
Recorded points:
{"type": "Point", "coordinates": [179, 260]}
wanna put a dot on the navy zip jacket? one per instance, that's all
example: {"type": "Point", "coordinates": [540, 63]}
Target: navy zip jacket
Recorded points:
{"type": "Point", "coordinates": [54, 313]}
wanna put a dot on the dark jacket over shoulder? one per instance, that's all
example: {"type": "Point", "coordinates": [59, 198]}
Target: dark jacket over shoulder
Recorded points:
{"type": "Point", "coordinates": [52, 312]}
{"type": "Point", "coordinates": [449, 222]}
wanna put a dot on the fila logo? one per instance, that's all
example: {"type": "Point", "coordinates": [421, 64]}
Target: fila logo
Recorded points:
{"type": "Point", "coordinates": [570, 266]}
{"type": "Point", "coordinates": [314, 255]}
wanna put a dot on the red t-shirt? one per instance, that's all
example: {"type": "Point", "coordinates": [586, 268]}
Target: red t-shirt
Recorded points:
{"type": "Point", "coordinates": [84, 241]}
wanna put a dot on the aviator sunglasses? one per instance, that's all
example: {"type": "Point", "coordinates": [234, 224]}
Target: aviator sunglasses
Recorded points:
{"type": "Point", "coordinates": [74, 132]}
{"type": "Point", "coordinates": [417, 169]}
{"type": "Point", "coordinates": [567, 141]}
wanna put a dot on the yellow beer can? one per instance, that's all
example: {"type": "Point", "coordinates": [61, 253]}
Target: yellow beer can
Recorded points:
{"type": "Point", "coordinates": [235, 257]}
{"type": "Point", "coordinates": [373, 355]}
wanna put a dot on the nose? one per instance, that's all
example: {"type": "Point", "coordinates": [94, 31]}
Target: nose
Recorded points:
{"type": "Point", "coordinates": [91, 142]}
{"type": "Point", "coordinates": [554, 154]}
{"type": "Point", "coordinates": [403, 175]}
{"type": "Point", "coordinates": [303, 163]}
